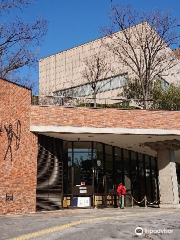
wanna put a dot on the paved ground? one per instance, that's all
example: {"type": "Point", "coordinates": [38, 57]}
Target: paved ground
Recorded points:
{"type": "Point", "coordinates": [92, 224]}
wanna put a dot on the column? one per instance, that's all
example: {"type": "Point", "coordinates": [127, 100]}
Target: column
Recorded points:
{"type": "Point", "coordinates": [168, 185]}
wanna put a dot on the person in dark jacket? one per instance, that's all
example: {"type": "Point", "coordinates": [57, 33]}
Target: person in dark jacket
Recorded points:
{"type": "Point", "coordinates": [121, 190]}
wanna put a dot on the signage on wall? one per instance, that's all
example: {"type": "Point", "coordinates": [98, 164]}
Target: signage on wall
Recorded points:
{"type": "Point", "coordinates": [10, 136]}
{"type": "Point", "coordinates": [9, 197]}
{"type": "Point", "coordinates": [82, 183]}
{"type": "Point", "coordinates": [82, 191]}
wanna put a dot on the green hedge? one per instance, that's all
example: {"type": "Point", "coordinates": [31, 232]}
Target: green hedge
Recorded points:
{"type": "Point", "coordinates": [100, 105]}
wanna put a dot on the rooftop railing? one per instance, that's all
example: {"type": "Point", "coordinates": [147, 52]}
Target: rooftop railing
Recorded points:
{"type": "Point", "coordinates": [43, 100]}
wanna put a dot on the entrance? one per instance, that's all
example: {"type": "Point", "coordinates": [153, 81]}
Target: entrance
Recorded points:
{"type": "Point", "coordinates": [91, 177]}
{"type": "Point", "coordinates": [82, 174]}
{"type": "Point", "coordinates": [88, 173]}
{"type": "Point", "coordinates": [94, 170]}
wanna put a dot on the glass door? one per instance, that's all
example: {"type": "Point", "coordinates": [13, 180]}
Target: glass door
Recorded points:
{"type": "Point", "coordinates": [99, 182]}
{"type": "Point", "coordinates": [100, 178]}
{"type": "Point", "coordinates": [82, 173]}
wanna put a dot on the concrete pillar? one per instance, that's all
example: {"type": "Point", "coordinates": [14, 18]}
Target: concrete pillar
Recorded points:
{"type": "Point", "coordinates": [168, 185]}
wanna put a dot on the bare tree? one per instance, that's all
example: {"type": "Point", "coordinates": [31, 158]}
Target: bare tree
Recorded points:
{"type": "Point", "coordinates": [96, 70]}
{"type": "Point", "coordinates": [19, 40]}
{"type": "Point", "coordinates": [8, 4]}
{"type": "Point", "coordinates": [142, 45]}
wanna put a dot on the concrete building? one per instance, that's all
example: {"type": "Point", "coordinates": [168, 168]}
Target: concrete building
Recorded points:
{"type": "Point", "coordinates": [62, 74]}
{"type": "Point", "coordinates": [56, 156]}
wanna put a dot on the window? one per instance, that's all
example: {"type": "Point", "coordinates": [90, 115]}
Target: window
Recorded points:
{"type": "Point", "coordinates": [115, 82]}
{"type": "Point", "coordinates": [102, 86]}
{"type": "Point", "coordinates": [106, 85]}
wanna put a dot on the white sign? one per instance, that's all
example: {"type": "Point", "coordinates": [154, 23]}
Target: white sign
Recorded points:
{"type": "Point", "coordinates": [84, 202]}
{"type": "Point", "coordinates": [98, 163]}
{"type": "Point", "coordinates": [83, 191]}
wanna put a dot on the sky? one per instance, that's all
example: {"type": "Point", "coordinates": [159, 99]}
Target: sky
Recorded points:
{"type": "Point", "coordinates": [74, 22]}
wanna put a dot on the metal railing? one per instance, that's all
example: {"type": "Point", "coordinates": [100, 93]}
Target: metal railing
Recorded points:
{"type": "Point", "coordinates": [87, 102]}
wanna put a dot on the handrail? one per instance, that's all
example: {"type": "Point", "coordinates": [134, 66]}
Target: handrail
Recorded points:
{"type": "Point", "coordinates": [87, 101]}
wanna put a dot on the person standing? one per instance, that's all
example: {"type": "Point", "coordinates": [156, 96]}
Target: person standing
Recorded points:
{"type": "Point", "coordinates": [121, 190]}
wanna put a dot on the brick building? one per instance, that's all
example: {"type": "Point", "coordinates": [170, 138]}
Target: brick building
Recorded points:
{"type": "Point", "coordinates": [18, 151]}
{"type": "Point", "coordinates": [51, 155]}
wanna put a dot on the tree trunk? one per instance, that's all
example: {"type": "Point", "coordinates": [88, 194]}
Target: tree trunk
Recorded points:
{"type": "Point", "coordinates": [146, 104]}
{"type": "Point", "coordinates": [94, 96]}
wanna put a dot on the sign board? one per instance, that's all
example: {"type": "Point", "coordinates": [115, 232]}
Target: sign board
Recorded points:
{"type": "Point", "coordinates": [76, 190]}
{"type": "Point", "coordinates": [9, 197]}
{"type": "Point", "coordinates": [82, 191]}
{"type": "Point", "coordinates": [84, 202]}
{"type": "Point", "coordinates": [82, 183]}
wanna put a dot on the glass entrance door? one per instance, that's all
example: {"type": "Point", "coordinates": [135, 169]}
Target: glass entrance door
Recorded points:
{"type": "Point", "coordinates": [102, 177]}
{"type": "Point", "coordinates": [99, 180]}
{"type": "Point", "coordinates": [82, 172]}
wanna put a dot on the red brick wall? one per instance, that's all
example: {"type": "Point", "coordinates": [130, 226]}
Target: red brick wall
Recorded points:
{"type": "Point", "coordinates": [19, 175]}
{"type": "Point", "coordinates": [104, 118]}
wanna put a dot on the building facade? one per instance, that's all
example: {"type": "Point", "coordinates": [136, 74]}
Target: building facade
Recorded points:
{"type": "Point", "coordinates": [55, 156]}
{"type": "Point", "coordinates": [64, 74]}
{"type": "Point", "coordinates": [18, 150]}
{"type": "Point", "coordinates": [51, 156]}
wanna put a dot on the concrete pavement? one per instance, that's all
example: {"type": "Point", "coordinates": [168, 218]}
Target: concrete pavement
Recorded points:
{"type": "Point", "coordinates": [108, 223]}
